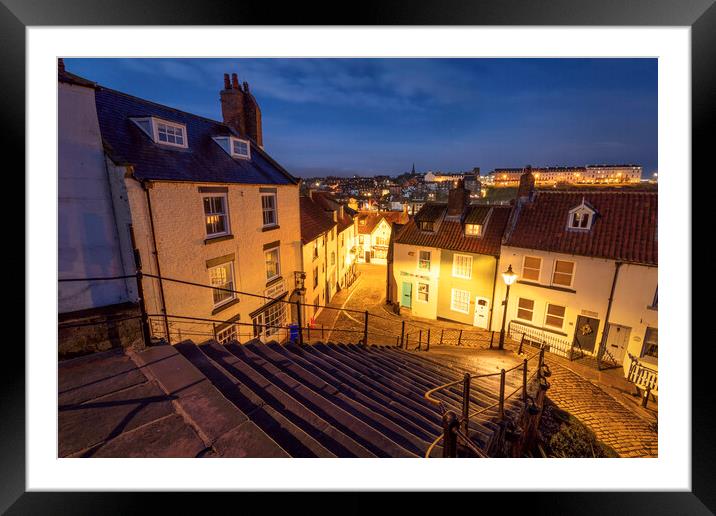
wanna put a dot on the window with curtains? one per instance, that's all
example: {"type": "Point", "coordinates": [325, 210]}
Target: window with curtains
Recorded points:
{"type": "Point", "coordinates": [531, 267]}
{"type": "Point", "coordinates": [424, 260]}
{"type": "Point", "coordinates": [222, 276]}
{"type": "Point", "coordinates": [273, 263]}
{"type": "Point", "coordinates": [216, 215]}
{"type": "Point", "coordinates": [555, 316]}
{"type": "Point", "coordinates": [563, 273]}
{"type": "Point", "coordinates": [462, 266]}
{"type": "Point", "coordinates": [460, 301]}
{"type": "Point", "coordinates": [525, 309]}
{"type": "Point", "coordinates": [268, 208]}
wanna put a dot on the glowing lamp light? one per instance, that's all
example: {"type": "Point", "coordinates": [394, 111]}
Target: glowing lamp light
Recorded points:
{"type": "Point", "coordinates": [509, 277]}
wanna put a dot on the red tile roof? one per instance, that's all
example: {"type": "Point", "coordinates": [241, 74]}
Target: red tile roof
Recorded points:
{"type": "Point", "coordinates": [314, 220]}
{"type": "Point", "coordinates": [449, 233]}
{"type": "Point", "coordinates": [329, 203]}
{"type": "Point", "coordinates": [625, 227]}
{"type": "Point", "coordinates": [373, 218]}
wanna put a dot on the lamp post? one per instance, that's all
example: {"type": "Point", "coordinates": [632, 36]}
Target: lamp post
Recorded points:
{"type": "Point", "coordinates": [509, 278]}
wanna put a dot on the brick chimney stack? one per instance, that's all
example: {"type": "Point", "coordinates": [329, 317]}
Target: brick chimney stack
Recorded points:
{"type": "Point", "coordinates": [240, 109]}
{"type": "Point", "coordinates": [458, 199]}
{"type": "Point", "coordinates": [527, 184]}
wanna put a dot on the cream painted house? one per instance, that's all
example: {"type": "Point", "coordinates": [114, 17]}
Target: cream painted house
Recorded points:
{"type": "Point", "coordinates": [205, 204]}
{"type": "Point", "coordinates": [444, 261]}
{"type": "Point", "coordinates": [587, 275]}
{"type": "Point", "coordinates": [373, 233]}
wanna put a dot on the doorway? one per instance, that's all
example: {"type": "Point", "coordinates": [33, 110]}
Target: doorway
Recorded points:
{"type": "Point", "coordinates": [585, 334]}
{"type": "Point", "coordinates": [617, 341]}
{"type": "Point", "coordinates": [406, 299]}
{"type": "Point", "coordinates": [482, 308]}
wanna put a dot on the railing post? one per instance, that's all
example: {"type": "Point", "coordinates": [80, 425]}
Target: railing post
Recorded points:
{"type": "Point", "coordinates": [524, 381]}
{"type": "Point", "coordinates": [441, 336]}
{"type": "Point", "coordinates": [465, 402]}
{"type": "Point", "coordinates": [502, 394]}
{"type": "Point", "coordinates": [213, 327]}
{"type": "Point", "coordinates": [459, 338]}
{"type": "Point", "coordinates": [308, 329]}
{"type": "Point", "coordinates": [521, 342]}
{"type": "Point", "coordinates": [300, 322]}
{"type": "Point", "coordinates": [541, 363]}
{"type": "Point", "coordinates": [365, 329]}
{"type": "Point", "coordinates": [645, 400]}
{"type": "Point", "coordinates": [402, 335]}
{"type": "Point", "coordinates": [420, 339]}
{"type": "Point", "coordinates": [146, 333]}
{"type": "Point", "coordinates": [427, 345]}
{"type": "Point", "coordinates": [450, 423]}
{"type": "Point", "coordinates": [492, 337]}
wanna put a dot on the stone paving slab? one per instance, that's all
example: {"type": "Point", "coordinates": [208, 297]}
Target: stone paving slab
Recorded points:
{"type": "Point", "coordinates": [173, 372]}
{"type": "Point", "coordinates": [162, 438]}
{"type": "Point", "coordinates": [209, 410]}
{"type": "Point", "coordinates": [87, 424]}
{"type": "Point", "coordinates": [93, 376]}
{"type": "Point", "coordinates": [248, 440]}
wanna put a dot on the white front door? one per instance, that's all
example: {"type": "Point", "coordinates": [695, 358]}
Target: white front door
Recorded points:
{"type": "Point", "coordinates": [482, 308]}
{"type": "Point", "coordinates": [617, 341]}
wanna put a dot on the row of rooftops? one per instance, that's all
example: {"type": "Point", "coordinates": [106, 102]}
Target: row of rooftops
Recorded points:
{"type": "Point", "coordinates": [623, 226]}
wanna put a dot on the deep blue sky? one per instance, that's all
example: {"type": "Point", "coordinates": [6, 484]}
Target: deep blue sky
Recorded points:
{"type": "Point", "coordinates": [372, 116]}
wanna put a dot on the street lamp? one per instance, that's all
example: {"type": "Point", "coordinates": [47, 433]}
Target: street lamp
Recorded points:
{"type": "Point", "coordinates": [509, 278]}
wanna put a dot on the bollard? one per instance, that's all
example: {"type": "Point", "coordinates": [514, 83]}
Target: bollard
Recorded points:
{"type": "Point", "coordinates": [465, 402]}
{"type": "Point", "coordinates": [449, 436]}
{"type": "Point", "coordinates": [402, 334]}
{"type": "Point", "coordinates": [427, 345]}
{"type": "Point", "coordinates": [524, 381]}
{"type": "Point", "coordinates": [502, 394]}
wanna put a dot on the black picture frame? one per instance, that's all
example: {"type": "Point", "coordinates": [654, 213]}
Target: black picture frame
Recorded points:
{"type": "Point", "coordinates": [700, 15]}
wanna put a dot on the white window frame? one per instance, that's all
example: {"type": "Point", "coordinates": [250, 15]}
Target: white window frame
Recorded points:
{"type": "Point", "coordinates": [583, 210]}
{"type": "Point", "coordinates": [453, 306]}
{"type": "Point", "coordinates": [547, 315]}
{"type": "Point", "coordinates": [426, 293]}
{"type": "Point", "coordinates": [571, 279]}
{"type": "Point", "coordinates": [429, 260]}
{"type": "Point", "coordinates": [232, 295]}
{"type": "Point", "coordinates": [278, 314]}
{"type": "Point", "coordinates": [454, 266]}
{"type": "Point", "coordinates": [264, 210]}
{"type": "Point", "coordinates": [478, 233]}
{"type": "Point", "coordinates": [232, 143]}
{"type": "Point", "coordinates": [539, 271]}
{"type": "Point", "coordinates": [532, 311]}
{"type": "Point", "coordinates": [223, 337]}
{"type": "Point", "coordinates": [172, 125]}
{"type": "Point", "coordinates": [277, 249]}
{"type": "Point", "coordinates": [227, 230]}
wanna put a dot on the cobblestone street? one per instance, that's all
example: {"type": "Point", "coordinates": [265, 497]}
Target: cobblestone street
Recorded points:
{"type": "Point", "coordinates": [616, 424]}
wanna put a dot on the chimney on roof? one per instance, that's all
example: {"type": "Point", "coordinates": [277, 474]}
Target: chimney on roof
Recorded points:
{"type": "Point", "coordinates": [240, 110]}
{"type": "Point", "coordinates": [458, 199]}
{"type": "Point", "coordinates": [527, 184]}
{"type": "Point", "coordinates": [61, 65]}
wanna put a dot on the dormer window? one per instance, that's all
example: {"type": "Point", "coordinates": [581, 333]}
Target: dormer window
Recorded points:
{"type": "Point", "coordinates": [234, 147]}
{"type": "Point", "coordinates": [581, 217]}
{"type": "Point", "coordinates": [163, 132]}
{"type": "Point", "coordinates": [426, 225]}
{"type": "Point", "coordinates": [473, 229]}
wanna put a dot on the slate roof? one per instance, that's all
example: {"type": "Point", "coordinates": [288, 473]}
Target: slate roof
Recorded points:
{"type": "Point", "coordinates": [314, 220]}
{"type": "Point", "coordinates": [449, 234]}
{"type": "Point", "coordinates": [625, 227]}
{"type": "Point", "coordinates": [202, 162]}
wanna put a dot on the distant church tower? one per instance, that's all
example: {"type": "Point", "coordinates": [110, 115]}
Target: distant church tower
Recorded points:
{"type": "Point", "coordinates": [413, 171]}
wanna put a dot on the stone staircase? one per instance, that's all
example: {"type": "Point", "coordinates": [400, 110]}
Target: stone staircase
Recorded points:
{"type": "Point", "coordinates": [325, 400]}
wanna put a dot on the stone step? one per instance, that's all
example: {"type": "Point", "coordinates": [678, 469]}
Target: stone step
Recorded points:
{"type": "Point", "coordinates": [321, 404]}
{"type": "Point", "coordinates": [289, 436]}
{"type": "Point", "coordinates": [286, 403]}
{"type": "Point", "coordinates": [349, 399]}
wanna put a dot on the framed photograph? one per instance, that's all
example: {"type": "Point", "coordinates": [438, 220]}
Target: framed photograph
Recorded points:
{"type": "Point", "coordinates": [407, 250]}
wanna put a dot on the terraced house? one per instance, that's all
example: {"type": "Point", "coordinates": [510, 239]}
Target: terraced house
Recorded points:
{"type": "Point", "coordinates": [587, 272]}
{"type": "Point", "coordinates": [445, 260]}
{"type": "Point", "coordinates": [203, 203]}
{"type": "Point", "coordinates": [373, 231]}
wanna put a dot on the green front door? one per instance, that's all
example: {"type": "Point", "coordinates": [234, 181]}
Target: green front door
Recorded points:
{"type": "Point", "coordinates": [407, 297]}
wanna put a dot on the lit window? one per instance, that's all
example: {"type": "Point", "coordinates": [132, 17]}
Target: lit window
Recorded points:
{"type": "Point", "coordinates": [424, 260]}
{"type": "Point", "coordinates": [555, 316]}
{"type": "Point", "coordinates": [531, 268]}
{"type": "Point", "coordinates": [525, 309]}
{"type": "Point", "coordinates": [270, 321]}
{"type": "Point", "coordinates": [423, 291]}
{"type": "Point", "coordinates": [460, 301]}
{"type": "Point", "coordinates": [273, 263]}
{"type": "Point", "coordinates": [651, 343]}
{"type": "Point", "coordinates": [170, 134]}
{"type": "Point", "coordinates": [563, 273]}
{"type": "Point", "coordinates": [268, 207]}
{"type": "Point", "coordinates": [333, 258]}
{"type": "Point", "coordinates": [426, 225]}
{"type": "Point", "coordinates": [462, 266]}
{"type": "Point", "coordinates": [473, 229]}
{"type": "Point", "coordinates": [215, 212]}
{"type": "Point", "coordinates": [315, 277]}
{"type": "Point", "coordinates": [222, 276]}
{"type": "Point", "coordinates": [240, 148]}
{"type": "Point", "coordinates": [227, 335]}
{"type": "Point", "coordinates": [315, 249]}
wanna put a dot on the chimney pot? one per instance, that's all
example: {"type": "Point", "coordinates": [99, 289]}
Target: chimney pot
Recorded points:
{"type": "Point", "coordinates": [458, 199]}
{"type": "Point", "coordinates": [227, 84]}
{"type": "Point", "coordinates": [234, 81]}
{"type": "Point", "coordinates": [246, 86]}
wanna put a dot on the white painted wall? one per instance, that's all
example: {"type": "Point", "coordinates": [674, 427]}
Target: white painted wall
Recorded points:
{"type": "Point", "coordinates": [88, 242]}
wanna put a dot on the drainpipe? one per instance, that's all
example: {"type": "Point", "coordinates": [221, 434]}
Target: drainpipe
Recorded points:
{"type": "Point", "coordinates": [156, 258]}
{"type": "Point", "coordinates": [494, 286]}
{"type": "Point", "coordinates": [603, 342]}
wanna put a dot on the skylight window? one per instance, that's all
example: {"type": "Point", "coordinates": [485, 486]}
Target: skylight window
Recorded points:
{"type": "Point", "coordinates": [581, 217]}
{"type": "Point", "coordinates": [234, 147]}
{"type": "Point", "coordinates": [162, 131]}
{"type": "Point", "coordinates": [473, 229]}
